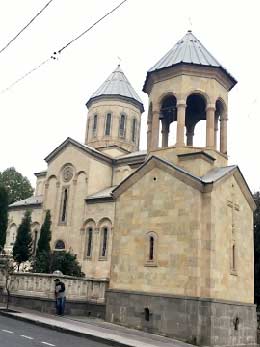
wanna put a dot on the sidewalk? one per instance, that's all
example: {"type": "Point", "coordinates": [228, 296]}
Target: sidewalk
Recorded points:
{"type": "Point", "coordinates": [96, 329]}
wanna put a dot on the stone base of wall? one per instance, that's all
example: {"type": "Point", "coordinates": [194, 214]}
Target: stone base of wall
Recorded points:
{"type": "Point", "coordinates": [198, 321]}
{"type": "Point", "coordinates": [76, 308]}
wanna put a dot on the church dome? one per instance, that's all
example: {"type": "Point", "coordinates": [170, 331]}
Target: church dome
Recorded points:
{"type": "Point", "coordinates": [189, 51]}
{"type": "Point", "coordinates": [117, 85]}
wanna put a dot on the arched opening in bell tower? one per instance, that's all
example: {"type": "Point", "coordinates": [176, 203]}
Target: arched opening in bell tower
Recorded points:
{"type": "Point", "coordinates": [195, 113]}
{"type": "Point", "coordinates": [168, 115]}
{"type": "Point", "coordinates": [220, 122]}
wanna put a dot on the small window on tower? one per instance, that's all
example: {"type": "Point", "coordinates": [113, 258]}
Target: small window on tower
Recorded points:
{"type": "Point", "coordinates": [122, 126]}
{"type": "Point", "coordinates": [134, 130]}
{"type": "Point", "coordinates": [108, 124]}
{"type": "Point", "coordinates": [95, 125]}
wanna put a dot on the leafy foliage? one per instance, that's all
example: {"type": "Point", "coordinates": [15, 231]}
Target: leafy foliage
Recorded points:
{"type": "Point", "coordinates": [45, 235]}
{"type": "Point", "coordinates": [67, 263]}
{"type": "Point", "coordinates": [22, 249]}
{"type": "Point", "coordinates": [3, 215]}
{"type": "Point", "coordinates": [257, 247]}
{"type": "Point", "coordinates": [17, 185]}
{"type": "Point", "coordinates": [64, 261]}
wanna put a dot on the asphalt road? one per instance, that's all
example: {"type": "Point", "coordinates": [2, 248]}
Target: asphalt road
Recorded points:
{"type": "Point", "coordinates": [15, 333]}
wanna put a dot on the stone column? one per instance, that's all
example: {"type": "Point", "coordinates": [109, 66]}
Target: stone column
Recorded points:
{"type": "Point", "coordinates": [165, 132]}
{"type": "Point", "coordinates": [149, 132]}
{"type": "Point", "coordinates": [181, 107]}
{"type": "Point", "coordinates": [210, 110]}
{"type": "Point", "coordinates": [216, 132]}
{"type": "Point", "coordinates": [155, 130]}
{"type": "Point", "coordinates": [223, 134]}
{"type": "Point", "coordinates": [190, 134]}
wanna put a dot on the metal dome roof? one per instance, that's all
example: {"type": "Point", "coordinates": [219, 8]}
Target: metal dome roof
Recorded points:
{"type": "Point", "coordinates": [117, 84]}
{"type": "Point", "coordinates": [188, 50]}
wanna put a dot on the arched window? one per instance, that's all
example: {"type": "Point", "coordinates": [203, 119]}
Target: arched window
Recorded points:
{"type": "Point", "coordinates": [108, 124]}
{"type": "Point", "coordinates": [151, 248]}
{"type": "Point", "coordinates": [35, 241]}
{"type": "Point", "coordinates": [12, 234]}
{"type": "Point", "coordinates": [64, 205]}
{"type": "Point", "coordinates": [134, 130]}
{"type": "Point", "coordinates": [104, 243]}
{"type": "Point", "coordinates": [94, 130]}
{"type": "Point", "coordinates": [89, 241]}
{"type": "Point", "coordinates": [122, 126]}
{"type": "Point", "coordinates": [151, 243]}
{"type": "Point", "coordinates": [59, 245]}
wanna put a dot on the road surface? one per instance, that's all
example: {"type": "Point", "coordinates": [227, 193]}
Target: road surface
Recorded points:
{"type": "Point", "coordinates": [15, 333]}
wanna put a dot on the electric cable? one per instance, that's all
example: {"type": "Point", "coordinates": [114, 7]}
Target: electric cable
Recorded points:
{"type": "Point", "coordinates": [25, 27]}
{"type": "Point", "coordinates": [54, 55]}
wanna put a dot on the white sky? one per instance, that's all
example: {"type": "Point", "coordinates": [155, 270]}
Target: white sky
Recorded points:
{"type": "Point", "coordinates": [39, 113]}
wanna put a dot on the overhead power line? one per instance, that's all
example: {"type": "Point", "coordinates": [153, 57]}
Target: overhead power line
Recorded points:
{"type": "Point", "coordinates": [54, 56]}
{"type": "Point", "coordinates": [25, 27]}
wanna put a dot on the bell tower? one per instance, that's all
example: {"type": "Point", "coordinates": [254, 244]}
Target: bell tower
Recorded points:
{"type": "Point", "coordinates": [188, 85]}
{"type": "Point", "coordinates": [114, 115]}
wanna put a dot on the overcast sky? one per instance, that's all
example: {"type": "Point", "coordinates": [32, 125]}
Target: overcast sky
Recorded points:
{"type": "Point", "coordinates": [40, 112]}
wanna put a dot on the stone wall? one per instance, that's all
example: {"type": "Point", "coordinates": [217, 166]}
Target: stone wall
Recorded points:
{"type": "Point", "coordinates": [42, 285]}
{"type": "Point", "coordinates": [199, 321]}
{"type": "Point", "coordinates": [36, 291]}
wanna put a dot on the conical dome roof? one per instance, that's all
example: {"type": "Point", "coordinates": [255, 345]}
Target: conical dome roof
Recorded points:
{"type": "Point", "coordinates": [117, 85]}
{"type": "Point", "coordinates": [188, 50]}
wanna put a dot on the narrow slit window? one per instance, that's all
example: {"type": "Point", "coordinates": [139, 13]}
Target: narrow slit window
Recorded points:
{"type": "Point", "coordinates": [64, 205]}
{"type": "Point", "coordinates": [90, 241]}
{"type": "Point", "coordinates": [134, 130]}
{"type": "Point", "coordinates": [95, 125]}
{"type": "Point", "coordinates": [151, 248]}
{"type": "Point", "coordinates": [108, 124]}
{"type": "Point", "coordinates": [104, 242]}
{"type": "Point", "coordinates": [151, 245]}
{"type": "Point", "coordinates": [122, 126]}
{"type": "Point", "coordinates": [35, 241]}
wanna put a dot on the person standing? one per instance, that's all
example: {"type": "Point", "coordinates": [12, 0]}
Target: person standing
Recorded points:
{"type": "Point", "coordinates": [60, 296]}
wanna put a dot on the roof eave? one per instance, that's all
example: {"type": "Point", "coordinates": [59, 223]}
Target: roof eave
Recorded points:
{"type": "Point", "coordinates": [231, 79]}
{"type": "Point", "coordinates": [135, 102]}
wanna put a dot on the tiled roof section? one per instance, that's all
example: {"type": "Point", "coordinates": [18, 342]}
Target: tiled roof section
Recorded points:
{"type": "Point", "coordinates": [217, 173]}
{"type": "Point", "coordinates": [117, 84]}
{"type": "Point", "coordinates": [79, 145]}
{"type": "Point", "coordinates": [33, 200]}
{"type": "Point", "coordinates": [103, 194]}
{"type": "Point", "coordinates": [133, 154]}
{"type": "Point", "coordinates": [189, 50]}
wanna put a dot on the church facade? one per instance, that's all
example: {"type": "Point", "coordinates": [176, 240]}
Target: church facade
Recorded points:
{"type": "Point", "coordinates": [170, 227]}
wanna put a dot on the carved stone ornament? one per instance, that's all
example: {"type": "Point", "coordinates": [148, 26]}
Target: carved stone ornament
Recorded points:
{"type": "Point", "coordinates": [67, 173]}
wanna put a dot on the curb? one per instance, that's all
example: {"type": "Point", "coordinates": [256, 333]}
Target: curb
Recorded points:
{"type": "Point", "coordinates": [89, 336]}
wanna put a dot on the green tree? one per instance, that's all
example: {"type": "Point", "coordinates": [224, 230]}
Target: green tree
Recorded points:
{"type": "Point", "coordinates": [45, 235]}
{"type": "Point", "coordinates": [257, 247]}
{"type": "Point", "coordinates": [64, 261]}
{"type": "Point", "coordinates": [3, 215]}
{"type": "Point", "coordinates": [67, 263]}
{"type": "Point", "coordinates": [17, 185]}
{"type": "Point", "coordinates": [41, 263]}
{"type": "Point", "coordinates": [22, 249]}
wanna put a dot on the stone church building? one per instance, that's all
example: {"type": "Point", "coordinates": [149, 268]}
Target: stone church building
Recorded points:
{"type": "Point", "coordinates": [170, 227]}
